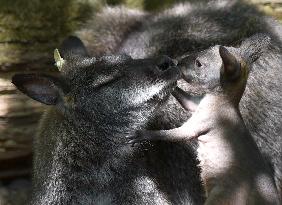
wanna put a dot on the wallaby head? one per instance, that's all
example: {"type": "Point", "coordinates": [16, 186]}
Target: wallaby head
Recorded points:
{"type": "Point", "coordinates": [111, 90]}
{"type": "Point", "coordinates": [223, 69]}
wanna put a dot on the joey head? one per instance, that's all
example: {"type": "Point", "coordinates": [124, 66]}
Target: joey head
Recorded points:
{"type": "Point", "coordinates": [80, 155]}
{"type": "Point", "coordinates": [233, 170]}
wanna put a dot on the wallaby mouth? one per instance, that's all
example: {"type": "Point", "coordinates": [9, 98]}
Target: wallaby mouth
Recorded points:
{"type": "Point", "coordinates": [165, 92]}
{"type": "Point", "coordinates": [168, 82]}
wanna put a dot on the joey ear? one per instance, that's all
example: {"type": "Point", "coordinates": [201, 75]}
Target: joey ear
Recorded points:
{"type": "Point", "coordinates": [231, 67]}
{"type": "Point", "coordinates": [42, 88]}
{"type": "Point", "coordinates": [73, 46]}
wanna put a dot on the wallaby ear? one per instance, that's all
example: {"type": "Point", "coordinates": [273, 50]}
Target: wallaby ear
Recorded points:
{"type": "Point", "coordinates": [42, 88]}
{"type": "Point", "coordinates": [73, 46]}
{"type": "Point", "coordinates": [231, 67]}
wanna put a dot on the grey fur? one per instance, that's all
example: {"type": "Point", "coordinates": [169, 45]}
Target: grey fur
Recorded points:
{"type": "Point", "coordinates": [191, 27]}
{"type": "Point", "coordinates": [81, 155]}
{"type": "Point", "coordinates": [106, 31]}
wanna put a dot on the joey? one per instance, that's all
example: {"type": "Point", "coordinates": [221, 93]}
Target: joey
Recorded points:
{"type": "Point", "coordinates": [233, 170]}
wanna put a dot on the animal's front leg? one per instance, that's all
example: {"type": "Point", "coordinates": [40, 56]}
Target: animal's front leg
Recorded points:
{"type": "Point", "coordinates": [187, 131]}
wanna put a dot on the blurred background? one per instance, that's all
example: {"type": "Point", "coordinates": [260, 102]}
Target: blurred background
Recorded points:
{"type": "Point", "coordinates": [29, 32]}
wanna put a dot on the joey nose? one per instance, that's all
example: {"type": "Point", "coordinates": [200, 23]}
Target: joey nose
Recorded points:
{"type": "Point", "coordinates": [165, 62]}
{"type": "Point", "coordinates": [186, 66]}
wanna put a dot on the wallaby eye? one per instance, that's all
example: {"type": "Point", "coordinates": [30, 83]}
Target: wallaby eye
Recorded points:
{"type": "Point", "coordinates": [198, 63]}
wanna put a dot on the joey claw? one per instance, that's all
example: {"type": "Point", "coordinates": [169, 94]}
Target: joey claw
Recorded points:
{"type": "Point", "coordinates": [137, 139]}
{"type": "Point", "coordinates": [129, 137]}
{"type": "Point", "coordinates": [132, 142]}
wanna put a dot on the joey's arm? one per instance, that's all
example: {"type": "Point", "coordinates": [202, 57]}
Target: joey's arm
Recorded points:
{"type": "Point", "coordinates": [187, 101]}
{"type": "Point", "coordinates": [191, 129]}
{"type": "Point", "coordinates": [170, 135]}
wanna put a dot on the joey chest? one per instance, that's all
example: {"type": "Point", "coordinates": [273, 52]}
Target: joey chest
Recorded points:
{"type": "Point", "coordinates": [216, 156]}
{"type": "Point", "coordinates": [215, 153]}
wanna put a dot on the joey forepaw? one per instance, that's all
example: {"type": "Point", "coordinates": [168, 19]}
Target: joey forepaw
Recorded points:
{"type": "Point", "coordinates": [138, 138]}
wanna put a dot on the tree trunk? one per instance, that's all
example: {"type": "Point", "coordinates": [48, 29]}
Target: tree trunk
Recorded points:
{"type": "Point", "coordinates": [29, 32]}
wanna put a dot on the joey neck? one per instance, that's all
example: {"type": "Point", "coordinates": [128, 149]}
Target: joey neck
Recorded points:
{"type": "Point", "coordinates": [220, 101]}
{"type": "Point", "coordinates": [219, 106]}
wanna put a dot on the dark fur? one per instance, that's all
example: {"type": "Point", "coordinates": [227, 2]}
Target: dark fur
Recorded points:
{"type": "Point", "coordinates": [189, 28]}
{"type": "Point", "coordinates": [80, 153]}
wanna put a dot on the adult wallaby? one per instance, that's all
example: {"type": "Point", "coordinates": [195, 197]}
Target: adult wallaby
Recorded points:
{"type": "Point", "coordinates": [232, 168]}
{"type": "Point", "coordinates": [80, 154]}
{"type": "Point", "coordinates": [192, 27]}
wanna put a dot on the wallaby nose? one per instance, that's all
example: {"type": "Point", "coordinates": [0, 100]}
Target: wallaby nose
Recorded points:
{"type": "Point", "coordinates": [164, 62]}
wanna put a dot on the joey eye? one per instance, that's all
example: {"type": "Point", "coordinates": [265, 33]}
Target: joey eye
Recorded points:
{"type": "Point", "coordinates": [198, 63]}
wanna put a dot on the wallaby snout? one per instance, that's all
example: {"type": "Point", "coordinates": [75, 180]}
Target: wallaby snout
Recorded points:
{"type": "Point", "coordinates": [165, 62]}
